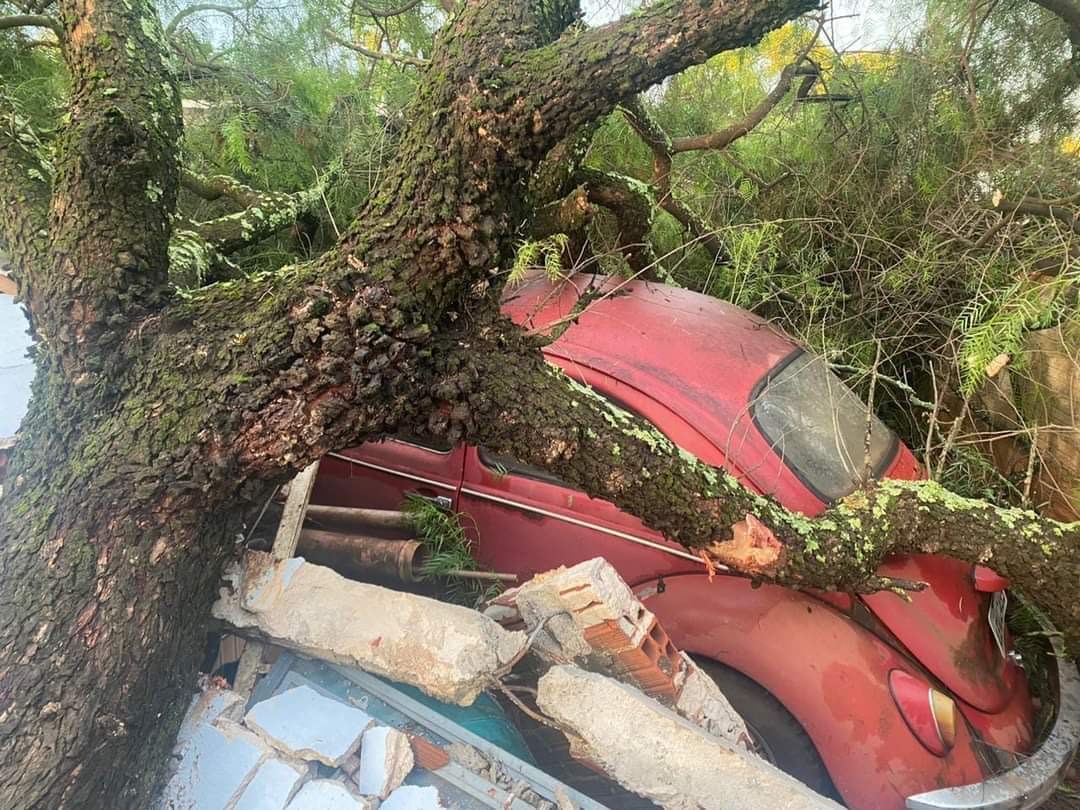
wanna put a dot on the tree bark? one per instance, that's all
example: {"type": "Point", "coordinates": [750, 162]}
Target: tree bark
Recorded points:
{"type": "Point", "coordinates": [157, 417]}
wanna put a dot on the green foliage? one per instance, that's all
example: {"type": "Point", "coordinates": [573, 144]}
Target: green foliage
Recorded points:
{"type": "Point", "coordinates": [447, 549]}
{"type": "Point", "coordinates": [544, 253]}
{"type": "Point", "coordinates": [995, 324]}
{"type": "Point", "coordinates": [235, 132]}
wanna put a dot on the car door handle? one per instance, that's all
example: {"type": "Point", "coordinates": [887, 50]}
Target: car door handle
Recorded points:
{"type": "Point", "coordinates": [442, 501]}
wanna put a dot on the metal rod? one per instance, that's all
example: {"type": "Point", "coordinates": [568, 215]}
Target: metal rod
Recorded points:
{"type": "Point", "coordinates": [490, 575]}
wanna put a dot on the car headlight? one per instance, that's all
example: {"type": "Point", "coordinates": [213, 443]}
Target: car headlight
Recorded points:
{"type": "Point", "coordinates": [930, 714]}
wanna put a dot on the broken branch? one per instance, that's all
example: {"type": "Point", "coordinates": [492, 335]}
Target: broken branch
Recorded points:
{"type": "Point", "coordinates": [384, 56]}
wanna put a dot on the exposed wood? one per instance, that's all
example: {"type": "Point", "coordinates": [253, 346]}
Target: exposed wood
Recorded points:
{"type": "Point", "coordinates": [292, 519]}
{"type": "Point", "coordinates": [248, 668]}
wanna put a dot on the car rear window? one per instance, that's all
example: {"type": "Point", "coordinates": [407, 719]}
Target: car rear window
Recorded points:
{"type": "Point", "coordinates": [818, 426]}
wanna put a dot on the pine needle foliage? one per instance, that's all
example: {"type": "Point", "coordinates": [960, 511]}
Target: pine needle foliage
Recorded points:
{"type": "Point", "coordinates": [447, 549]}
{"type": "Point", "coordinates": [543, 253]}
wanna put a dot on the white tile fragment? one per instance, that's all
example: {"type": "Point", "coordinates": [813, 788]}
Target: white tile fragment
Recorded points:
{"type": "Point", "coordinates": [330, 794]}
{"type": "Point", "coordinates": [216, 763]}
{"type": "Point", "coordinates": [273, 784]}
{"type": "Point", "coordinates": [386, 758]}
{"type": "Point", "coordinates": [303, 723]}
{"type": "Point", "coordinates": [411, 797]}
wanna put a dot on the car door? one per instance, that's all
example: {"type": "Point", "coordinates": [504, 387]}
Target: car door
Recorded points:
{"type": "Point", "coordinates": [526, 521]}
{"type": "Point", "coordinates": [380, 475]}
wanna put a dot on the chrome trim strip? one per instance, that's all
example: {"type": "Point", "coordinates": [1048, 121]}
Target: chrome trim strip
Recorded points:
{"type": "Point", "coordinates": [1036, 778]}
{"type": "Point", "coordinates": [641, 541]}
{"type": "Point", "coordinates": [392, 471]}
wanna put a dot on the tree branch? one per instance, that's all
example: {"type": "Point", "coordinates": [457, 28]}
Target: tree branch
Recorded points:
{"type": "Point", "coordinates": [404, 8]}
{"type": "Point", "coordinates": [659, 144]}
{"type": "Point", "coordinates": [385, 56]}
{"type": "Point", "coordinates": [1032, 206]}
{"type": "Point", "coordinates": [199, 254]}
{"type": "Point", "coordinates": [541, 418]}
{"type": "Point", "coordinates": [1068, 12]}
{"type": "Point", "coordinates": [607, 65]}
{"type": "Point", "coordinates": [727, 136]}
{"type": "Point", "coordinates": [32, 21]}
{"type": "Point", "coordinates": [198, 8]}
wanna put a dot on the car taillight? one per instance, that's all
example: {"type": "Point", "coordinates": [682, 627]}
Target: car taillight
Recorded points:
{"type": "Point", "coordinates": [930, 714]}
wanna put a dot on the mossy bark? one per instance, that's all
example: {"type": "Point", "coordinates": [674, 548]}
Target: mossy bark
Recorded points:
{"type": "Point", "coordinates": [155, 419]}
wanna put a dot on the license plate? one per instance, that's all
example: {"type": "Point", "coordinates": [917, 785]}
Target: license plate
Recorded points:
{"type": "Point", "coordinates": [996, 615]}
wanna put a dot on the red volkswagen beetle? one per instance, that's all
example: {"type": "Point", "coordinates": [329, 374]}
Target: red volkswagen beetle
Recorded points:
{"type": "Point", "coordinates": [871, 697]}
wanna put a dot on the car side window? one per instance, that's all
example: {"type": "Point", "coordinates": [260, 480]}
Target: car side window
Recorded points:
{"type": "Point", "coordinates": [433, 444]}
{"type": "Point", "coordinates": [506, 465]}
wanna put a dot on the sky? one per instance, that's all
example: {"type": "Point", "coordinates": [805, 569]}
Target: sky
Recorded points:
{"type": "Point", "coordinates": [16, 370]}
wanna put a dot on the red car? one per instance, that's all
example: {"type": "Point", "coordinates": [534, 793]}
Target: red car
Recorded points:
{"type": "Point", "coordinates": [869, 697]}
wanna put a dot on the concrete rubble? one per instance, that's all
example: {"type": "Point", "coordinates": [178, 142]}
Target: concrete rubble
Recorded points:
{"type": "Point", "coordinates": [273, 784]}
{"type": "Point", "coordinates": [589, 615]}
{"type": "Point", "coordinates": [449, 652]}
{"type": "Point", "coordinates": [666, 758]}
{"type": "Point", "coordinates": [645, 713]}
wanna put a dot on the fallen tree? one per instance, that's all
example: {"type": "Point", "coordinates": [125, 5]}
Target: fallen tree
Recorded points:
{"type": "Point", "coordinates": [159, 417]}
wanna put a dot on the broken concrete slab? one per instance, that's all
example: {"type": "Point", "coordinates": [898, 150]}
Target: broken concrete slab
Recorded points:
{"type": "Point", "coordinates": [412, 797]}
{"type": "Point", "coordinates": [655, 753]}
{"type": "Point", "coordinates": [329, 794]}
{"type": "Point", "coordinates": [449, 652]}
{"type": "Point", "coordinates": [262, 584]}
{"type": "Point", "coordinates": [273, 785]}
{"type": "Point", "coordinates": [385, 760]}
{"type": "Point", "coordinates": [304, 724]}
{"type": "Point", "coordinates": [216, 763]}
{"type": "Point", "coordinates": [702, 703]}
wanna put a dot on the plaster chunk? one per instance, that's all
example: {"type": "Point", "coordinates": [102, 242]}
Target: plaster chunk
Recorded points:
{"type": "Point", "coordinates": [304, 724]}
{"type": "Point", "coordinates": [329, 794]}
{"type": "Point", "coordinates": [216, 763]}
{"type": "Point", "coordinates": [274, 783]}
{"type": "Point", "coordinates": [657, 754]}
{"type": "Point", "coordinates": [386, 758]}
{"type": "Point", "coordinates": [447, 651]}
{"type": "Point", "coordinates": [411, 797]}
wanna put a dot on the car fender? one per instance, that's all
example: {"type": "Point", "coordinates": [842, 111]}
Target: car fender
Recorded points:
{"type": "Point", "coordinates": [830, 673]}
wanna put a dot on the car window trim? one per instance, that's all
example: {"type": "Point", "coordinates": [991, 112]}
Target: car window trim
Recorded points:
{"type": "Point", "coordinates": [392, 471]}
{"type": "Point", "coordinates": [876, 471]}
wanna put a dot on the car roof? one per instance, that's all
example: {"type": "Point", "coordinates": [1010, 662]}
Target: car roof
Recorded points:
{"type": "Point", "coordinates": [699, 356]}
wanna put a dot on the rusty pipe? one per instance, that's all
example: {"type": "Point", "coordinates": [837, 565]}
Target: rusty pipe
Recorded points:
{"type": "Point", "coordinates": [360, 557]}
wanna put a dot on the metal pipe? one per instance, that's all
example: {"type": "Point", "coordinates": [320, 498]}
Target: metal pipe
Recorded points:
{"type": "Point", "coordinates": [373, 518]}
{"type": "Point", "coordinates": [360, 557]}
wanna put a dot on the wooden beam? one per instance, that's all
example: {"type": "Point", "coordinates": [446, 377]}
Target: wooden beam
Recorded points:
{"type": "Point", "coordinates": [292, 519]}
